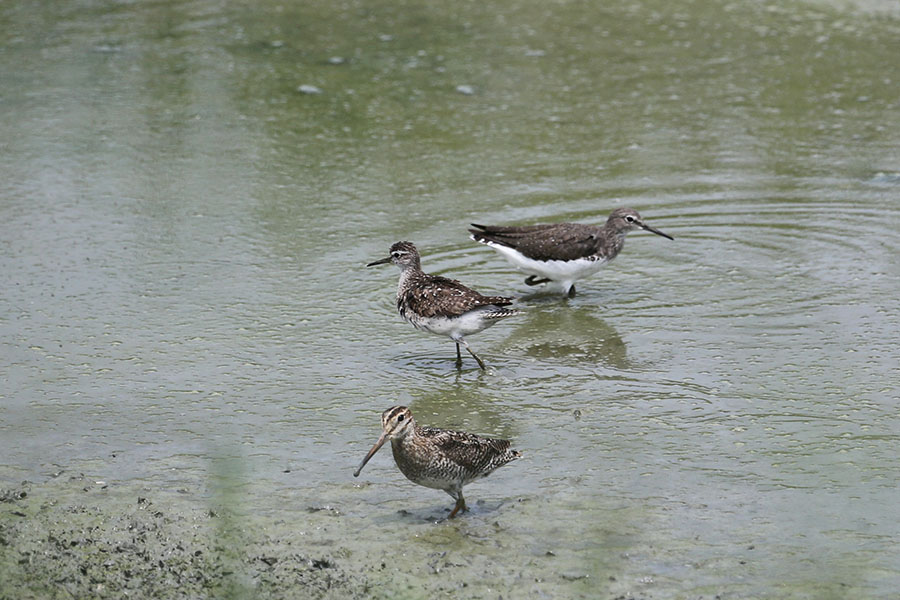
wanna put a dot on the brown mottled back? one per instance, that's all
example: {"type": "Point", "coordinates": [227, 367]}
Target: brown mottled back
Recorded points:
{"type": "Point", "coordinates": [436, 296]}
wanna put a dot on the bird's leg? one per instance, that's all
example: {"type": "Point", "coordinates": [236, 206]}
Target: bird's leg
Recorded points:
{"type": "Point", "coordinates": [530, 280]}
{"type": "Point", "coordinates": [458, 357]}
{"type": "Point", "coordinates": [460, 504]}
{"type": "Point", "coordinates": [475, 356]}
{"type": "Point", "coordinates": [572, 292]}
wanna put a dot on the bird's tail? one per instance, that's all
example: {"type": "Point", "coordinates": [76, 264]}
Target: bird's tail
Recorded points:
{"type": "Point", "coordinates": [502, 312]}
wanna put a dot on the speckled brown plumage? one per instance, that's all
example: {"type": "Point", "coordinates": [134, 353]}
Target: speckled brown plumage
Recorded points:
{"type": "Point", "coordinates": [439, 458]}
{"type": "Point", "coordinates": [435, 296]}
{"type": "Point", "coordinates": [440, 305]}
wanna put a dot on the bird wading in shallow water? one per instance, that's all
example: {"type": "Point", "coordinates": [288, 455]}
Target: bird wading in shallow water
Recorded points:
{"type": "Point", "coordinates": [440, 305]}
{"type": "Point", "coordinates": [439, 458]}
{"type": "Point", "coordinates": [562, 252]}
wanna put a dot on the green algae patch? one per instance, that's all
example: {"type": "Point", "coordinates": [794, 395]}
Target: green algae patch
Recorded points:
{"type": "Point", "coordinates": [75, 538]}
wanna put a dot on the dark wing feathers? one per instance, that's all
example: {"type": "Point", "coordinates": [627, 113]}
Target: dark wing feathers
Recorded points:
{"type": "Point", "coordinates": [508, 229]}
{"type": "Point", "coordinates": [556, 241]}
{"type": "Point", "coordinates": [473, 452]}
{"type": "Point", "coordinates": [436, 296]}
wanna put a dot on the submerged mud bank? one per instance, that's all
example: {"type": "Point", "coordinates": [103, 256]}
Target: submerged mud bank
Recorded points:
{"type": "Point", "coordinates": [75, 536]}
{"type": "Point", "coordinates": [72, 537]}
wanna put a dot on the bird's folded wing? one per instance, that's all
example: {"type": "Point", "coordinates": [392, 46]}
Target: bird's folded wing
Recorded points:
{"type": "Point", "coordinates": [470, 450]}
{"type": "Point", "coordinates": [442, 297]}
{"type": "Point", "coordinates": [557, 241]}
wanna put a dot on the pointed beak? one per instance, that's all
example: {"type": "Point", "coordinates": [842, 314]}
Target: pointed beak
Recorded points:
{"type": "Point", "coordinates": [375, 448]}
{"type": "Point", "coordinates": [656, 231]}
{"type": "Point", "coordinates": [379, 262]}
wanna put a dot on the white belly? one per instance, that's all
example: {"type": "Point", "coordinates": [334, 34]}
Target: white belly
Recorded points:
{"type": "Point", "coordinates": [563, 271]}
{"type": "Point", "coordinates": [456, 328]}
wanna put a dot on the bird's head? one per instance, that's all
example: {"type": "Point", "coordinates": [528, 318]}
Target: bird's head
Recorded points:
{"type": "Point", "coordinates": [402, 254]}
{"type": "Point", "coordinates": [396, 423]}
{"type": "Point", "coordinates": [623, 220]}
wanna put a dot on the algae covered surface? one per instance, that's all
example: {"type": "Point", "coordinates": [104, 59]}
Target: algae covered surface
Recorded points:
{"type": "Point", "coordinates": [73, 537]}
{"type": "Point", "coordinates": [236, 535]}
{"type": "Point", "coordinates": [76, 536]}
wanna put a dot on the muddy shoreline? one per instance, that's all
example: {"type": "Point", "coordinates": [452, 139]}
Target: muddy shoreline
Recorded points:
{"type": "Point", "coordinates": [75, 537]}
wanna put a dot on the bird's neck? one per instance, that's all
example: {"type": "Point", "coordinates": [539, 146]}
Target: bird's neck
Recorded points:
{"type": "Point", "coordinates": [400, 441]}
{"type": "Point", "coordinates": [408, 275]}
{"type": "Point", "coordinates": [609, 242]}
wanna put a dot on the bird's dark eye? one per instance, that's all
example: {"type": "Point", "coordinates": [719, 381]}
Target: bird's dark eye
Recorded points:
{"type": "Point", "coordinates": [629, 218]}
{"type": "Point", "coordinates": [395, 254]}
{"type": "Point", "coordinates": [399, 418]}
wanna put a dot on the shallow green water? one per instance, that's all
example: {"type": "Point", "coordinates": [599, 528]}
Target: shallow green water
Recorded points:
{"type": "Point", "coordinates": [183, 234]}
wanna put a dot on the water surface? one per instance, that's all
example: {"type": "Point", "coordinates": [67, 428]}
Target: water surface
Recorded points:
{"type": "Point", "coordinates": [183, 234]}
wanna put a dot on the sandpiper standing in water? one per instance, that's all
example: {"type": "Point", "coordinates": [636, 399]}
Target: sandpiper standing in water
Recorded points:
{"type": "Point", "coordinates": [439, 458]}
{"type": "Point", "coordinates": [562, 252]}
{"type": "Point", "coordinates": [440, 305]}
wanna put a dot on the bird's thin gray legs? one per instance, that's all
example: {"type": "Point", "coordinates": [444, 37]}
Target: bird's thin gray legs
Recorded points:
{"type": "Point", "coordinates": [475, 356]}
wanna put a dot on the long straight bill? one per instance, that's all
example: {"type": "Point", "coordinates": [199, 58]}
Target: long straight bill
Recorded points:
{"type": "Point", "coordinates": [657, 231]}
{"type": "Point", "coordinates": [378, 444]}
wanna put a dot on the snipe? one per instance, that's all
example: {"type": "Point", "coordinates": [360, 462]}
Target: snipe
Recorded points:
{"type": "Point", "coordinates": [439, 458]}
